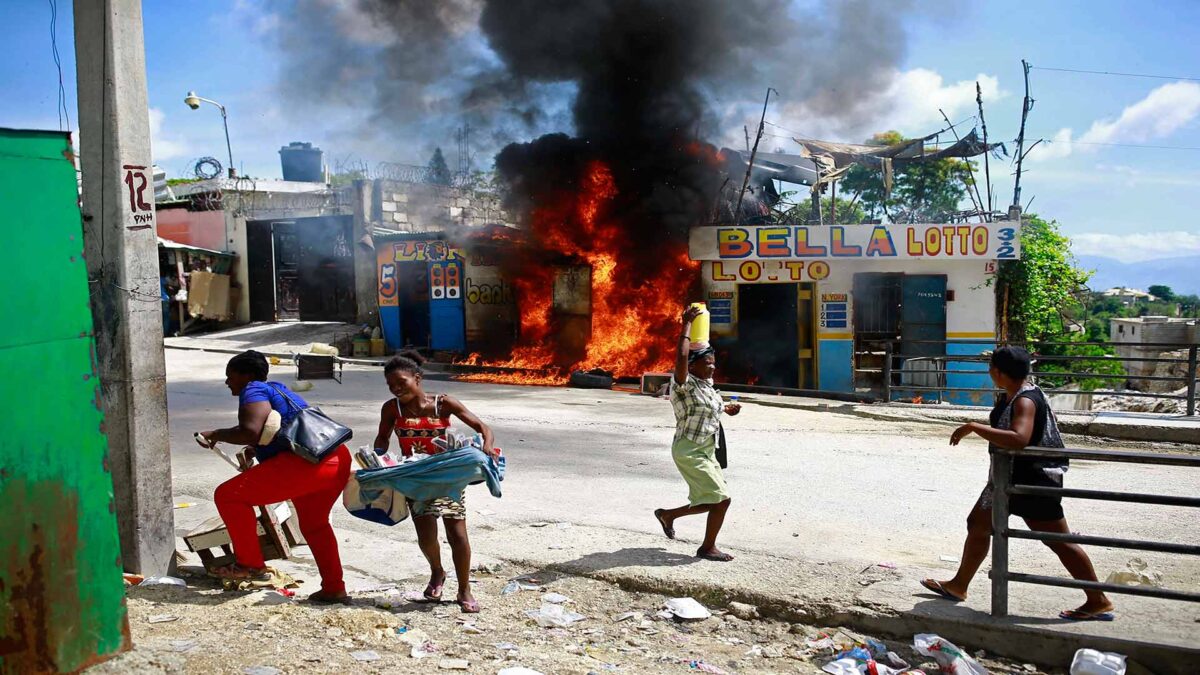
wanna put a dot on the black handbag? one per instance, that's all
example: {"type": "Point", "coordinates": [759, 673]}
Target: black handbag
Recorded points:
{"type": "Point", "coordinates": [722, 449]}
{"type": "Point", "coordinates": [310, 434]}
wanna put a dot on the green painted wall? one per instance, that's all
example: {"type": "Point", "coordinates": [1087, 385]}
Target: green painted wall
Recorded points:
{"type": "Point", "coordinates": [62, 599]}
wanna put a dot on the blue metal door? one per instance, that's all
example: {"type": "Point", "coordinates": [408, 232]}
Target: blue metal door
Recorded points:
{"type": "Point", "coordinates": [923, 314]}
{"type": "Point", "coordinates": [447, 329]}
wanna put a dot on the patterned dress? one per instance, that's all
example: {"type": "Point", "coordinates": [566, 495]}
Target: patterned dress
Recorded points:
{"type": "Point", "coordinates": [698, 409]}
{"type": "Point", "coordinates": [416, 435]}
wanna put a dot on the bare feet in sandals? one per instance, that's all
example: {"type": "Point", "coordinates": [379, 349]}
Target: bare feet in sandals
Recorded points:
{"type": "Point", "coordinates": [668, 526]}
{"type": "Point", "coordinates": [714, 554]}
{"type": "Point", "coordinates": [944, 589]}
{"type": "Point", "coordinates": [433, 592]}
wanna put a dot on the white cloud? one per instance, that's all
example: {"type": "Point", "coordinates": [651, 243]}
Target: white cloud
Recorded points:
{"type": "Point", "coordinates": [1163, 112]}
{"type": "Point", "coordinates": [164, 145]}
{"type": "Point", "coordinates": [1137, 246]}
{"type": "Point", "coordinates": [909, 103]}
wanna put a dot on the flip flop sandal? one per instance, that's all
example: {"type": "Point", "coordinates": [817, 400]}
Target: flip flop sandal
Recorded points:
{"type": "Point", "coordinates": [469, 606]}
{"type": "Point", "coordinates": [936, 587]}
{"type": "Point", "coordinates": [667, 530]}
{"type": "Point", "coordinates": [1075, 615]}
{"type": "Point", "coordinates": [716, 557]}
{"type": "Point", "coordinates": [433, 593]}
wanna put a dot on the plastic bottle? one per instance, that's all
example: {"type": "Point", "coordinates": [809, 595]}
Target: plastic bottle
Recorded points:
{"type": "Point", "coordinates": [700, 325]}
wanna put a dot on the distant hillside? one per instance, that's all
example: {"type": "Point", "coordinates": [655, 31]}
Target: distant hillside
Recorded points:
{"type": "Point", "coordinates": [1181, 274]}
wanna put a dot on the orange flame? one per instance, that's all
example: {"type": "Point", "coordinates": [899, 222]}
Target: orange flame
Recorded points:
{"type": "Point", "coordinates": [633, 325]}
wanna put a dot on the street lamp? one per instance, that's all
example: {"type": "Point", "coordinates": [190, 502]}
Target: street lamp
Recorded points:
{"type": "Point", "coordinates": [193, 101]}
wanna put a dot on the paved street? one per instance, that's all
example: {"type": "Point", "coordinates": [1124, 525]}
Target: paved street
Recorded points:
{"type": "Point", "coordinates": [821, 486]}
{"type": "Point", "coordinates": [819, 499]}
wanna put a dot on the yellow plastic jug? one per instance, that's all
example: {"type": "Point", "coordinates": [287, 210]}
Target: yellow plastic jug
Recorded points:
{"type": "Point", "coordinates": [700, 325]}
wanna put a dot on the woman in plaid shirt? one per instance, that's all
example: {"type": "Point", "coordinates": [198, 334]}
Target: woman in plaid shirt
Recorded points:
{"type": "Point", "coordinates": [698, 408]}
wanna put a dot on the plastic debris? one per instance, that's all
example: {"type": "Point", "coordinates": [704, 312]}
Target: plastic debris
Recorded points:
{"type": "Point", "coordinates": [858, 654]}
{"type": "Point", "coordinates": [401, 630]}
{"type": "Point", "coordinates": [185, 505]}
{"type": "Point", "coordinates": [706, 668]}
{"type": "Point", "coordinates": [878, 649]}
{"type": "Point", "coordinates": [842, 667]}
{"type": "Point", "coordinates": [268, 598]}
{"type": "Point", "coordinates": [133, 579]}
{"type": "Point", "coordinates": [949, 559]}
{"type": "Point", "coordinates": [822, 644]}
{"type": "Point", "coordinates": [163, 581]}
{"type": "Point", "coordinates": [510, 588]}
{"type": "Point", "coordinates": [161, 618]}
{"type": "Point", "coordinates": [625, 616]}
{"type": "Point", "coordinates": [949, 658]}
{"type": "Point", "coordinates": [454, 664]}
{"type": "Point", "coordinates": [1137, 572]}
{"type": "Point", "coordinates": [183, 645]}
{"type": "Point", "coordinates": [423, 650]}
{"type": "Point", "coordinates": [555, 598]}
{"type": "Point", "coordinates": [365, 655]}
{"type": "Point", "coordinates": [1093, 662]}
{"type": "Point", "coordinates": [894, 660]}
{"type": "Point", "coordinates": [550, 616]}
{"type": "Point", "coordinates": [688, 609]}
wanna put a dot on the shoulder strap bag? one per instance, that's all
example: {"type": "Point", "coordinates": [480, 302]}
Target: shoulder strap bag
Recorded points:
{"type": "Point", "coordinates": [310, 433]}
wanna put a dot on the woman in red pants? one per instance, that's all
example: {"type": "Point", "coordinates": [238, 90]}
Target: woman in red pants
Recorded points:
{"type": "Point", "coordinates": [278, 476]}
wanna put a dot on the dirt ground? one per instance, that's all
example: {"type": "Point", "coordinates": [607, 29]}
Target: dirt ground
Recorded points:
{"type": "Point", "coordinates": [202, 629]}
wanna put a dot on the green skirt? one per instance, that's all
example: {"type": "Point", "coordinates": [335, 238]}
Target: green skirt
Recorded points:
{"type": "Point", "coordinates": [697, 463]}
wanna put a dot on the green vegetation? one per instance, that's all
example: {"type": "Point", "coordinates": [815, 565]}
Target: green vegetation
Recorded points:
{"type": "Point", "coordinates": [439, 171]}
{"type": "Point", "coordinates": [922, 192]}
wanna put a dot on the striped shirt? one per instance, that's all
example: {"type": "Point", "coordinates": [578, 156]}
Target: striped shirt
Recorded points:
{"type": "Point", "coordinates": [697, 406]}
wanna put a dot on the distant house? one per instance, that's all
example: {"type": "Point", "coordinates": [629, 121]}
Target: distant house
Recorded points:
{"type": "Point", "coordinates": [1128, 296]}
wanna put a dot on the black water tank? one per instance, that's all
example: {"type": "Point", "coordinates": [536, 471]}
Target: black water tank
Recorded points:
{"type": "Point", "coordinates": [302, 162]}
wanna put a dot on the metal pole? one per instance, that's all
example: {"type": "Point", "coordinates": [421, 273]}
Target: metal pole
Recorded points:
{"type": "Point", "coordinates": [228, 148]}
{"type": "Point", "coordinates": [1001, 479]}
{"type": "Point", "coordinates": [1191, 383]}
{"type": "Point", "coordinates": [887, 372]}
{"type": "Point", "coordinates": [987, 169]}
{"type": "Point", "coordinates": [737, 213]}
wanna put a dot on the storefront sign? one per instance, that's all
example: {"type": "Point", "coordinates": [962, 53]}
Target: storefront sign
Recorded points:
{"type": "Point", "coordinates": [835, 310]}
{"type": "Point", "coordinates": [979, 241]}
{"type": "Point", "coordinates": [768, 271]}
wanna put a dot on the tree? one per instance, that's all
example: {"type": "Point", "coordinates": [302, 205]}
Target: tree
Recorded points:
{"type": "Point", "coordinates": [922, 192]}
{"type": "Point", "coordinates": [1036, 291]}
{"type": "Point", "coordinates": [1163, 293]}
{"type": "Point", "coordinates": [786, 212]}
{"type": "Point", "coordinates": [439, 172]}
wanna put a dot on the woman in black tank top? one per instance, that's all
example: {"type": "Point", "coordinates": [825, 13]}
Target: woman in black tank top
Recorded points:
{"type": "Point", "coordinates": [1022, 418]}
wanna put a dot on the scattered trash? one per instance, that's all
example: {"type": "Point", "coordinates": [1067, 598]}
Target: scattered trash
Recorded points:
{"type": "Point", "coordinates": [949, 657]}
{"type": "Point", "coordinates": [365, 655]}
{"type": "Point", "coordinates": [1137, 572]}
{"type": "Point", "coordinates": [268, 598]}
{"type": "Point", "coordinates": [414, 596]}
{"type": "Point", "coordinates": [842, 667]}
{"type": "Point", "coordinates": [886, 565]}
{"type": "Point", "coordinates": [688, 609]}
{"type": "Point", "coordinates": [185, 505]}
{"type": "Point", "coordinates": [743, 611]}
{"type": "Point", "coordinates": [383, 588]}
{"type": "Point", "coordinates": [540, 524]}
{"type": "Point", "coordinates": [163, 581]}
{"type": "Point", "coordinates": [261, 670]}
{"type": "Point", "coordinates": [518, 670]}
{"type": "Point", "coordinates": [877, 648]}
{"type": "Point", "coordinates": [549, 616]}
{"type": "Point", "coordinates": [823, 644]}
{"type": "Point", "coordinates": [183, 645]}
{"type": "Point", "coordinates": [1029, 667]}
{"type": "Point", "coordinates": [454, 664]}
{"type": "Point", "coordinates": [161, 618]}
{"type": "Point", "coordinates": [949, 559]}
{"type": "Point", "coordinates": [401, 630]}
{"type": "Point", "coordinates": [625, 616]}
{"type": "Point", "coordinates": [858, 654]}
{"type": "Point", "coordinates": [555, 598]}
{"type": "Point", "coordinates": [423, 650]}
{"type": "Point", "coordinates": [133, 579]}
{"type": "Point", "coordinates": [1093, 662]}
{"type": "Point", "coordinates": [893, 659]}
{"type": "Point", "coordinates": [706, 667]}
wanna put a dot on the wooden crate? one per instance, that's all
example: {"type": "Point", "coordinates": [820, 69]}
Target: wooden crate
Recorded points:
{"type": "Point", "coordinates": [278, 532]}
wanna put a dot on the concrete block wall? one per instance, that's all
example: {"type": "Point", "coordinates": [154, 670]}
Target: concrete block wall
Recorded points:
{"type": "Point", "coordinates": [420, 207]}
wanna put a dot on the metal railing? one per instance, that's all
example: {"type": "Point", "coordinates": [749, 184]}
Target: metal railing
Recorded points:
{"type": "Point", "coordinates": [1187, 381]}
{"type": "Point", "coordinates": [1003, 489]}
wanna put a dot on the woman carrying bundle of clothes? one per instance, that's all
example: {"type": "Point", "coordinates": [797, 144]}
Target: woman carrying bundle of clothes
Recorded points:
{"type": "Point", "coordinates": [698, 407]}
{"type": "Point", "coordinates": [418, 419]}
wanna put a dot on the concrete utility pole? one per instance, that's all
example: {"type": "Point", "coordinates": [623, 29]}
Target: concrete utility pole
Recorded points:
{"type": "Point", "coordinates": [121, 247]}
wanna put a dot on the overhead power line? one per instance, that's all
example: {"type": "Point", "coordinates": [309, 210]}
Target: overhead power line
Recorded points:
{"type": "Point", "coordinates": [1126, 145]}
{"type": "Point", "coordinates": [1116, 74]}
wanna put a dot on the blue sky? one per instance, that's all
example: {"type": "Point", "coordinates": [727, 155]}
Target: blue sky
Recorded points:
{"type": "Point", "coordinates": [1130, 203]}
